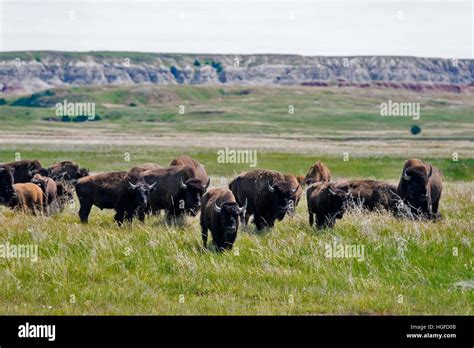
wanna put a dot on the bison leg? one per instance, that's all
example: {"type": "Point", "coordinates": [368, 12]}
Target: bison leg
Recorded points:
{"type": "Point", "coordinates": [141, 214]}
{"type": "Point", "coordinates": [84, 211]}
{"type": "Point", "coordinates": [129, 216]}
{"type": "Point", "coordinates": [311, 219]}
{"type": "Point", "coordinates": [119, 215]}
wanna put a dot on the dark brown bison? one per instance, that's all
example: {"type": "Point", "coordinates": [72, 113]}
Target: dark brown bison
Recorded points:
{"type": "Point", "coordinates": [116, 190]}
{"type": "Point", "coordinates": [198, 167]}
{"type": "Point", "coordinates": [50, 190]}
{"type": "Point", "coordinates": [178, 191]}
{"type": "Point", "coordinates": [318, 172]}
{"type": "Point", "coordinates": [220, 213]}
{"type": "Point", "coordinates": [296, 192]}
{"type": "Point", "coordinates": [144, 167]}
{"type": "Point", "coordinates": [420, 188]}
{"type": "Point", "coordinates": [371, 194]}
{"type": "Point", "coordinates": [266, 202]}
{"type": "Point", "coordinates": [67, 170]}
{"type": "Point", "coordinates": [23, 196]}
{"type": "Point", "coordinates": [326, 202]}
{"type": "Point", "coordinates": [24, 170]}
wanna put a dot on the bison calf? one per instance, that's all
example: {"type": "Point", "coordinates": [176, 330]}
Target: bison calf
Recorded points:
{"type": "Point", "coordinates": [50, 190]}
{"type": "Point", "coordinates": [220, 214]}
{"type": "Point", "coordinates": [318, 172]}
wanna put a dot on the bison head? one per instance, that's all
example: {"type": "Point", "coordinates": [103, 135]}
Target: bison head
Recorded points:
{"type": "Point", "coordinates": [191, 193]}
{"type": "Point", "coordinates": [228, 215]}
{"type": "Point", "coordinates": [39, 180]}
{"type": "Point", "coordinates": [281, 197]}
{"type": "Point", "coordinates": [141, 192]}
{"type": "Point", "coordinates": [415, 181]}
{"type": "Point", "coordinates": [335, 204]}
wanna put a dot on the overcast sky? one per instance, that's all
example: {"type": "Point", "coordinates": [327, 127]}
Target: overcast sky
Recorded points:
{"type": "Point", "coordinates": [335, 28]}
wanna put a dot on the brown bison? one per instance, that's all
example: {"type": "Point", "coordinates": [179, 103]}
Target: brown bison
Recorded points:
{"type": "Point", "coordinates": [198, 167]}
{"type": "Point", "coordinates": [115, 190]}
{"type": "Point", "coordinates": [266, 202]}
{"type": "Point", "coordinates": [371, 194]}
{"type": "Point", "coordinates": [49, 188]}
{"type": "Point", "coordinates": [326, 202]}
{"type": "Point", "coordinates": [178, 191]}
{"type": "Point", "coordinates": [67, 170]}
{"type": "Point", "coordinates": [24, 170]}
{"type": "Point", "coordinates": [23, 196]}
{"type": "Point", "coordinates": [420, 188]}
{"type": "Point", "coordinates": [318, 172]}
{"type": "Point", "coordinates": [144, 167]}
{"type": "Point", "coordinates": [220, 214]}
{"type": "Point", "coordinates": [296, 191]}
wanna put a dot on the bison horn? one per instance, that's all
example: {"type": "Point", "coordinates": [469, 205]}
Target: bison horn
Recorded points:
{"type": "Point", "coordinates": [183, 185]}
{"type": "Point", "coordinates": [296, 189]}
{"type": "Point", "coordinates": [153, 185]}
{"type": "Point", "coordinates": [405, 176]}
{"type": "Point", "coordinates": [242, 209]}
{"type": "Point", "coordinates": [208, 183]}
{"type": "Point", "coordinates": [270, 187]}
{"type": "Point", "coordinates": [132, 185]}
{"type": "Point", "coordinates": [216, 208]}
{"type": "Point", "coordinates": [331, 192]}
{"type": "Point", "coordinates": [431, 171]}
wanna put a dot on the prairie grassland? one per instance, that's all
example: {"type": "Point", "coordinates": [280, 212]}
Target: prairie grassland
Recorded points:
{"type": "Point", "coordinates": [408, 267]}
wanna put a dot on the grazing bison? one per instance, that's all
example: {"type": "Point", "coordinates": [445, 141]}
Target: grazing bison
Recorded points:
{"type": "Point", "coordinates": [49, 188]}
{"type": "Point", "coordinates": [178, 191]}
{"type": "Point", "coordinates": [198, 167]}
{"type": "Point", "coordinates": [420, 188]}
{"type": "Point", "coordinates": [326, 202]}
{"type": "Point", "coordinates": [115, 190]}
{"type": "Point", "coordinates": [220, 214]}
{"type": "Point", "coordinates": [317, 173]}
{"type": "Point", "coordinates": [371, 194]}
{"type": "Point", "coordinates": [24, 170]}
{"type": "Point", "coordinates": [67, 170]}
{"type": "Point", "coordinates": [296, 192]}
{"type": "Point", "coordinates": [23, 196]}
{"type": "Point", "coordinates": [144, 167]}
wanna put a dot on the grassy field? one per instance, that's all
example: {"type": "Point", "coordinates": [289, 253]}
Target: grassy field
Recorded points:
{"type": "Point", "coordinates": [409, 267]}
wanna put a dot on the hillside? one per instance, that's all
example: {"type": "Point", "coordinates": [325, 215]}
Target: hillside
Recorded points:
{"type": "Point", "coordinates": [29, 72]}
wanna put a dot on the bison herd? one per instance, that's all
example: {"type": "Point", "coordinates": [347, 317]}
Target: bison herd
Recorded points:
{"type": "Point", "coordinates": [182, 189]}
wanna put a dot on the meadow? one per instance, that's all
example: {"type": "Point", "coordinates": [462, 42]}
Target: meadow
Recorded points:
{"type": "Point", "coordinates": [408, 267]}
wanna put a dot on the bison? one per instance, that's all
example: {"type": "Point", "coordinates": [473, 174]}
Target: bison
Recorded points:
{"type": "Point", "coordinates": [178, 191]}
{"type": "Point", "coordinates": [64, 195]}
{"type": "Point", "coordinates": [24, 170]}
{"type": "Point", "coordinates": [67, 170]}
{"type": "Point", "coordinates": [326, 202]}
{"type": "Point", "coordinates": [23, 196]}
{"type": "Point", "coordinates": [144, 167]}
{"type": "Point", "coordinates": [198, 167]}
{"type": "Point", "coordinates": [264, 202]}
{"type": "Point", "coordinates": [420, 188]}
{"type": "Point", "coordinates": [115, 190]}
{"type": "Point", "coordinates": [220, 214]}
{"type": "Point", "coordinates": [318, 172]}
{"type": "Point", "coordinates": [49, 188]}
{"type": "Point", "coordinates": [371, 194]}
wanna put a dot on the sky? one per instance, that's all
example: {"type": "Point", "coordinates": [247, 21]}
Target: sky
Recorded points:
{"type": "Point", "coordinates": [421, 28]}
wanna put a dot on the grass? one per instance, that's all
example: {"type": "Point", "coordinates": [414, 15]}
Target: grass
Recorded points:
{"type": "Point", "coordinates": [154, 268]}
